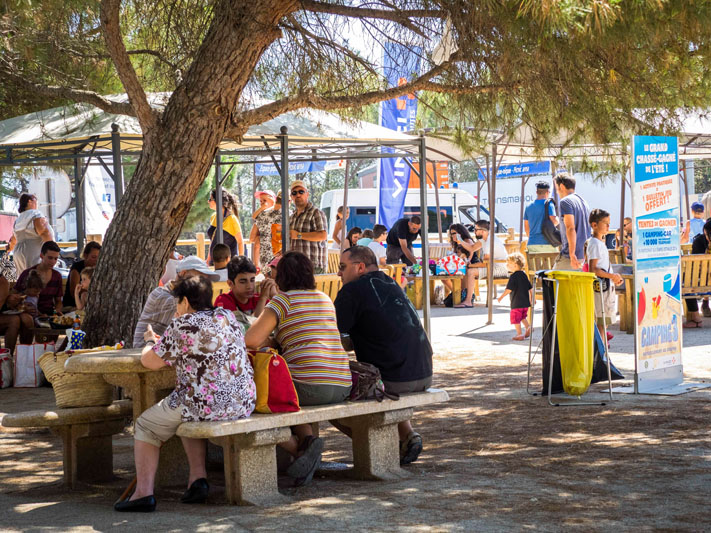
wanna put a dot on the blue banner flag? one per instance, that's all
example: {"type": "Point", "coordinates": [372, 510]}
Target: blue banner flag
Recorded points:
{"type": "Point", "coordinates": [295, 167]}
{"type": "Point", "coordinates": [517, 170]}
{"type": "Point", "coordinates": [400, 65]}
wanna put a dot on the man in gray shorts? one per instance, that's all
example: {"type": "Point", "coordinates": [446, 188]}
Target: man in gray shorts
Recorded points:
{"type": "Point", "coordinates": [386, 332]}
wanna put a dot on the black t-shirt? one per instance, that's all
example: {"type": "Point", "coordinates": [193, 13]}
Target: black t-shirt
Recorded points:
{"type": "Point", "coordinates": [68, 298]}
{"type": "Point", "coordinates": [384, 327]}
{"type": "Point", "coordinates": [401, 230]}
{"type": "Point", "coordinates": [700, 244]}
{"type": "Point", "coordinates": [519, 285]}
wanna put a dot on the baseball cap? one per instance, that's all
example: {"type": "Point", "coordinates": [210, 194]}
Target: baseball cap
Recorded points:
{"type": "Point", "coordinates": [298, 183]}
{"type": "Point", "coordinates": [267, 192]}
{"type": "Point", "coordinates": [543, 185]}
{"type": "Point", "coordinates": [193, 262]}
{"type": "Point", "coordinates": [697, 207]}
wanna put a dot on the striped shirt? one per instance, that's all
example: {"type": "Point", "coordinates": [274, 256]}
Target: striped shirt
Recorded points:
{"type": "Point", "coordinates": [308, 334]}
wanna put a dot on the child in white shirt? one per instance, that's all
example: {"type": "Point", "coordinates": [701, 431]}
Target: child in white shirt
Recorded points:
{"type": "Point", "coordinates": [598, 258]}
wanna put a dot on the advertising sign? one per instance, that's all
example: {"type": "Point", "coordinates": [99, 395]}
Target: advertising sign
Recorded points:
{"type": "Point", "coordinates": [519, 169]}
{"type": "Point", "coordinates": [656, 253]}
{"type": "Point", "coordinates": [400, 64]}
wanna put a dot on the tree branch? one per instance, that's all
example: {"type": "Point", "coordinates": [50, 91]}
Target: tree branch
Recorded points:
{"type": "Point", "coordinates": [362, 12]}
{"type": "Point", "coordinates": [147, 117]}
{"type": "Point", "coordinates": [241, 121]}
{"type": "Point", "coordinates": [68, 93]}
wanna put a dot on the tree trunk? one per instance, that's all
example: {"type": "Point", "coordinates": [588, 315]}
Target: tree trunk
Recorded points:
{"type": "Point", "coordinates": [177, 155]}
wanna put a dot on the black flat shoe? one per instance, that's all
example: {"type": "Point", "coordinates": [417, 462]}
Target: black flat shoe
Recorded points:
{"type": "Point", "coordinates": [197, 493]}
{"type": "Point", "coordinates": [141, 505]}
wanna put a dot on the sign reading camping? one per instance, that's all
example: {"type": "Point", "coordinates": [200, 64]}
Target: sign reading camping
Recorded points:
{"type": "Point", "coordinates": [656, 245]}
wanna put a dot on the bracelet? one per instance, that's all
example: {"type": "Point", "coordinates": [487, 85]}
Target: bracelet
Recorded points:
{"type": "Point", "coordinates": [150, 343]}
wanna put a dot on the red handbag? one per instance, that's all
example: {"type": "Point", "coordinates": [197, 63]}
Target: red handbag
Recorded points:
{"type": "Point", "coordinates": [275, 388]}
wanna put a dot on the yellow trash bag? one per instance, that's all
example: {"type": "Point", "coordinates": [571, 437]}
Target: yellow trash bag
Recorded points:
{"type": "Point", "coordinates": [575, 323]}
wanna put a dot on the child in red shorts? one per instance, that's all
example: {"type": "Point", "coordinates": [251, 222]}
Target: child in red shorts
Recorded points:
{"type": "Point", "coordinates": [521, 291]}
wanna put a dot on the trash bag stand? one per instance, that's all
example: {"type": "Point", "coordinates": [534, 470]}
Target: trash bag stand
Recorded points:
{"type": "Point", "coordinates": [554, 324]}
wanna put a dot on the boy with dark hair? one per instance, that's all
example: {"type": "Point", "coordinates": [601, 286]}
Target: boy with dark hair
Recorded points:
{"type": "Point", "coordinates": [241, 274]}
{"type": "Point", "coordinates": [380, 233]}
{"type": "Point", "coordinates": [221, 255]}
{"type": "Point", "coordinates": [599, 264]}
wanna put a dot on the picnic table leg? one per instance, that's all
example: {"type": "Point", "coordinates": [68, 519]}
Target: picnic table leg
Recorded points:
{"type": "Point", "coordinates": [251, 466]}
{"type": "Point", "coordinates": [457, 291]}
{"type": "Point", "coordinates": [419, 296]}
{"type": "Point", "coordinates": [87, 450]}
{"type": "Point", "coordinates": [376, 450]}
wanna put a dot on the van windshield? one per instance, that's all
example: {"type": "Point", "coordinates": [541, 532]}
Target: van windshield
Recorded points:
{"type": "Point", "coordinates": [445, 213]}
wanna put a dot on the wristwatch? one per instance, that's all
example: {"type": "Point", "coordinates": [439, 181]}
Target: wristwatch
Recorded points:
{"type": "Point", "coordinates": [298, 235]}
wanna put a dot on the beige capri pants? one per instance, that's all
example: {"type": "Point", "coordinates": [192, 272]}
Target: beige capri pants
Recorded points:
{"type": "Point", "coordinates": [158, 423]}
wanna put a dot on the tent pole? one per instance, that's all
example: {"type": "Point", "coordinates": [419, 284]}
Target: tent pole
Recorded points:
{"type": "Point", "coordinates": [622, 213]}
{"type": "Point", "coordinates": [424, 237]}
{"type": "Point", "coordinates": [218, 200]}
{"type": "Point", "coordinates": [436, 189]}
{"type": "Point", "coordinates": [118, 166]}
{"type": "Point", "coordinates": [79, 206]}
{"type": "Point", "coordinates": [554, 171]}
{"type": "Point", "coordinates": [478, 197]}
{"type": "Point", "coordinates": [524, 180]}
{"type": "Point", "coordinates": [284, 149]}
{"type": "Point", "coordinates": [345, 206]}
{"type": "Point", "coordinates": [686, 189]}
{"type": "Point", "coordinates": [492, 236]}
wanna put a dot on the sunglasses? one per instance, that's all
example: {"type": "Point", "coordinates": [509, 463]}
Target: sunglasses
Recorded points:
{"type": "Point", "coordinates": [296, 193]}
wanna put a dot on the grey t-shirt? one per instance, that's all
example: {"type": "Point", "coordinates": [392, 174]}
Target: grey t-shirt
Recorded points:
{"type": "Point", "coordinates": [576, 206]}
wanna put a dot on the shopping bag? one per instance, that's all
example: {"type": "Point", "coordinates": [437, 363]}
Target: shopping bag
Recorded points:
{"type": "Point", "coordinates": [27, 371]}
{"type": "Point", "coordinates": [450, 265]}
{"type": "Point", "coordinates": [275, 388]}
{"type": "Point", "coordinates": [5, 369]}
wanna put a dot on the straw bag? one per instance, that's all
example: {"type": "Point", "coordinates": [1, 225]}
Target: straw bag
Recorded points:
{"type": "Point", "coordinates": [74, 390]}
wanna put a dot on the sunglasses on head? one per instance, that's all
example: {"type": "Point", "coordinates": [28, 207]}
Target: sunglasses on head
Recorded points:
{"type": "Point", "coordinates": [297, 192]}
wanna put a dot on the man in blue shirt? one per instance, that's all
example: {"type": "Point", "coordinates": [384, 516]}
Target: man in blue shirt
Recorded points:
{"type": "Point", "coordinates": [533, 219]}
{"type": "Point", "coordinates": [576, 228]}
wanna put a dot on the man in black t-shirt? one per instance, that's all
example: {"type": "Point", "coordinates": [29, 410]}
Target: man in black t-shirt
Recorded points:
{"type": "Point", "coordinates": [386, 332]}
{"type": "Point", "coordinates": [400, 238]}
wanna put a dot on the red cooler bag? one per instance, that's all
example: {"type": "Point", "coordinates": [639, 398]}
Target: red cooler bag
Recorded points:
{"type": "Point", "coordinates": [275, 389]}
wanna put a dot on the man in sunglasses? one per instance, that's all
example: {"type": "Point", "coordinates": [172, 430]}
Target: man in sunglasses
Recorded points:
{"type": "Point", "coordinates": [307, 225]}
{"type": "Point", "coordinates": [386, 332]}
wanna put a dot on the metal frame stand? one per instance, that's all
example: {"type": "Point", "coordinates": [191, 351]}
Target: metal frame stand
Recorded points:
{"type": "Point", "coordinates": [554, 323]}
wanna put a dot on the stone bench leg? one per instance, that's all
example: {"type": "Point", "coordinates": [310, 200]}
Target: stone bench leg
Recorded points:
{"type": "Point", "coordinates": [376, 452]}
{"type": "Point", "coordinates": [250, 466]}
{"type": "Point", "coordinates": [88, 452]}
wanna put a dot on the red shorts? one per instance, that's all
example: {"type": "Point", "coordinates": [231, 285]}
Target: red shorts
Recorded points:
{"type": "Point", "coordinates": [517, 315]}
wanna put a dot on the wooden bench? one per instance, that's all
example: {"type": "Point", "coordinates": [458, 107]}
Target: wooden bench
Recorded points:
{"type": "Point", "coordinates": [219, 287]}
{"type": "Point", "coordinates": [695, 275]}
{"type": "Point", "coordinates": [249, 444]}
{"type": "Point", "coordinates": [396, 270]}
{"type": "Point", "coordinates": [418, 295]}
{"type": "Point", "coordinates": [86, 437]}
{"type": "Point", "coordinates": [334, 258]}
{"type": "Point", "coordinates": [537, 262]}
{"type": "Point", "coordinates": [497, 281]}
{"type": "Point", "coordinates": [329, 284]}
{"type": "Point", "coordinates": [617, 256]}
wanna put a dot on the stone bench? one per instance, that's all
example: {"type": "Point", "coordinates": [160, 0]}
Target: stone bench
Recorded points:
{"type": "Point", "coordinates": [249, 444]}
{"type": "Point", "coordinates": [86, 436]}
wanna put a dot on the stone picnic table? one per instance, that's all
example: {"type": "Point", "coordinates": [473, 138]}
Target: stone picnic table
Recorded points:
{"type": "Point", "coordinates": [146, 388]}
{"type": "Point", "coordinates": [123, 368]}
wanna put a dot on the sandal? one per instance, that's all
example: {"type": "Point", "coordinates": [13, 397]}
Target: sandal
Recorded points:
{"type": "Point", "coordinates": [518, 338]}
{"type": "Point", "coordinates": [463, 306]}
{"type": "Point", "coordinates": [706, 311]}
{"type": "Point", "coordinates": [692, 324]}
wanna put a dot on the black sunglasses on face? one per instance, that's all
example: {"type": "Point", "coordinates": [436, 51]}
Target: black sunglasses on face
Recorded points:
{"type": "Point", "coordinates": [300, 191]}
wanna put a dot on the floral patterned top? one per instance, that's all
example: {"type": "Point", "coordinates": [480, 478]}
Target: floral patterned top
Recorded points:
{"type": "Point", "coordinates": [264, 222]}
{"type": "Point", "coordinates": [214, 378]}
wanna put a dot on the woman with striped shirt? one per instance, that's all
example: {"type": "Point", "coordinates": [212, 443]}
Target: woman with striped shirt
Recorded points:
{"type": "Point", "coordinates": [306, 329]}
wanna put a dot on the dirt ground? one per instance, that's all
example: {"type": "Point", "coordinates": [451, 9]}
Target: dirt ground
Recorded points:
{"type": "Point", "coordinates": [495, 458]}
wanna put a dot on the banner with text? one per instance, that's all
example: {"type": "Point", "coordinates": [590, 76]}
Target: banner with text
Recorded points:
{"type": "Point", "coordinates": [400, 65]}
{"type": "Point", "coordinates": [657, 280]}
{"type": "Point", "coordinates": [517, 170]}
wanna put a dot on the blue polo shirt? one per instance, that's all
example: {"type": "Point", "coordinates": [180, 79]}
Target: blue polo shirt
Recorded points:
{"type": "Point", "coordinates": [534, 215]}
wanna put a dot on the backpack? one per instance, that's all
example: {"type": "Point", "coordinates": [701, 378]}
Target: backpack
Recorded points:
{"type": "Point", "coordinates": [367, 383]}
{"type": "Point", "coordinates": [548, 229]}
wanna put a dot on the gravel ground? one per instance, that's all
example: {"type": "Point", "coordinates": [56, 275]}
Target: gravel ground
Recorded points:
{"type": "Point", "coordinates": [495, 458]}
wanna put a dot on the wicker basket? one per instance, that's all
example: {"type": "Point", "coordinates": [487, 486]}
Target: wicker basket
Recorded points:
{"type": "Point", "coordinates": [74, 390]}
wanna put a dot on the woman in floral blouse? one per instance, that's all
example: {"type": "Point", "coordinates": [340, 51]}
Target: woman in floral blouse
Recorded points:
{"type": "Point", "coordinates": [214, 381]}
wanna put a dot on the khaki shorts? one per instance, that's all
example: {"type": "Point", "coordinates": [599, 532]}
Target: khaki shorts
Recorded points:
{"type": "Point", "coordinates": [606, 300]}
{"type": "Point", "coordinates": [157, 424]}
